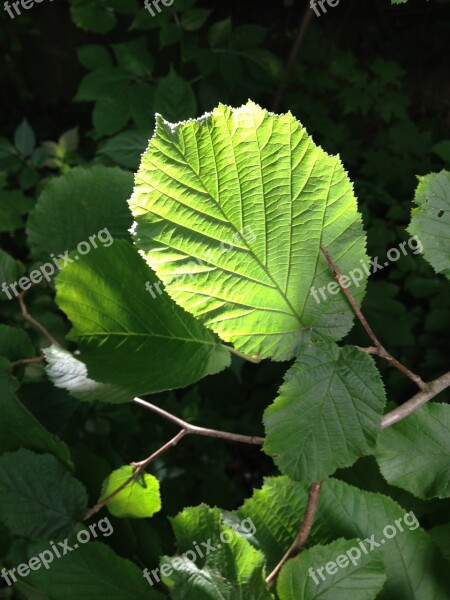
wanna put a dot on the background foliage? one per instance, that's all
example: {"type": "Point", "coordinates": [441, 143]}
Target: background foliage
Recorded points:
{"type": "Point", "coordinates": [81, 83]}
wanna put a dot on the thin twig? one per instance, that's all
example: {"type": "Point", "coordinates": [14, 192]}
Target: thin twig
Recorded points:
{"type": "Point", "coordinates": [251, 358]}
{"type": "Point", "coordinates": [305, 529]}
{"type": "Point", "coordinates": [140, 466]}
{"type": "Point", "coordinates": [380, 350]}
{"type": "Point", "coordinates": [186, 429]}
{"type": "Point", "coordinates": [26, 315]}
{"type": "Point", "coordinates": [301, 34]}
{"type": "Point", "coordinates": [28, 361]}
{"type": "Point", "coordinates": [195, 430]}
{"type": "Point", "coordinates": [368, 350]}
{"type": "Point", "coordinates": [421, 398]}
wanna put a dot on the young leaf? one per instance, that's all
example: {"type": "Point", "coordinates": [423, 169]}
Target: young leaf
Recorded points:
{"type": "Point", "coordinates": [347, 580]}
{"type": "Point", "coordinates": [39, 498]}
{"type": "Point", "coordinates": [139, 499]}
{"type": "Point", "coordinates": [242, 199]}
{"type": "Point", "coordinates": [430, 221]}
{"type": "Point", "coordinates": [128, 337]}
{"type": "Point", "coordinates": [414, 454]}
{"type": "Point", "coordinates": [227, 566]}
{"type": "Point", "coordinates": [328, 412]}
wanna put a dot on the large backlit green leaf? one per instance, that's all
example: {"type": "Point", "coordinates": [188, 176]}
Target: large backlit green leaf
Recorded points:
{"type": "Point", "coordinates": [430, 220]}
{"type": "Point", "coordinates": [240, 201]}
{"type": "Point", "coordinates": [414, 454]}
{"type": "Point", "coordinates": [328, 412]}
{"type": "Point", "coordinates": [128, 337]}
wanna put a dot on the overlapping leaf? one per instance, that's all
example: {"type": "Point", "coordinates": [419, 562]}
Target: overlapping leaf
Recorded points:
{"type": "Point", "coordinates": [231, 212]}
{"type": "Point", "coordinates": [213, 562]}
{"type": "Point", "coordinates": [128, 338]}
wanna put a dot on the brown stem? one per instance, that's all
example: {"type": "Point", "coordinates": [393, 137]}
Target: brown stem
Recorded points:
{"type": "Point", "coordinates": [421, 398]}
{"type": "Point", "coordinates": [140, 466]}
{"type": "Point", "coordinates": [28, 361]}
{"type": "Point", "coordinates": [301, 34]}
{"type": "Point", "coordinates": [303, 534]}
{"type": "Point", "coordinates": [26, 315]}
{"type": "Point", "coordinates": [379, 349]}
{"type": "Point", "coordinates": [194, 429]}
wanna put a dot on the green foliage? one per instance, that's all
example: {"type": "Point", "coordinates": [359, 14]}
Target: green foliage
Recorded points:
{"type": "Point", "coordinates": [360, 581]}
{"type": "Point", "coordinates": [413, 454]}
{"type": "Point", "coordinates": [18, 428]}
{"type": "Point", "coordinates": [94, 571]}
{"type": "Point", "coordinates": [225, 564]}
{"type": "Point", "coordinates": [43, 507]}
{"type": "Point", "coordinates": [71, 208]}
{"type": "Point", "coordinates": [328, 412]}
{"type": "Point", "coordinates": [230, 211]}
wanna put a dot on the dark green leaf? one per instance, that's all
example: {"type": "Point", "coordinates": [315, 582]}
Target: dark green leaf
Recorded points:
{"type": "Point", "coordinates": [39, 498]}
